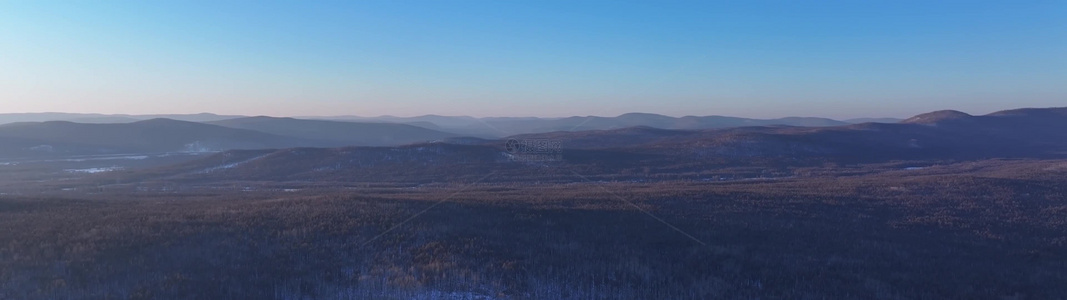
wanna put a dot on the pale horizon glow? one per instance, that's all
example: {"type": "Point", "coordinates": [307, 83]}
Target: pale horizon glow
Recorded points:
{"type": "Point", "coordinates": [759, 59]}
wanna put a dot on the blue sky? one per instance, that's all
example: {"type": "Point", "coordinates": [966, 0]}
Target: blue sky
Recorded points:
{"type": "Point", "coordinates": [762, 59]}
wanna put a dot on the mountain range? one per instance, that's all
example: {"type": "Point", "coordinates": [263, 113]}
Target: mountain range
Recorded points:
{"type": "Point", "coordinates": [935, 136]}
{"type": "Point", "coordinates": [337, 134]}
{"type": "Point", "coordinates": [497, 127]}
{"type": "Point", "coordinates": [490, 127]}
{"type": "Point", "coordinates": [65, 134]}
{"type": "Point", "coordinates": [62, 138]}
{"type": "Point", "coordinates": [107, 118]}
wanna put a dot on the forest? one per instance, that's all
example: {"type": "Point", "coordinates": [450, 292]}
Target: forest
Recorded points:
{"type": "Point", "coordinates": [990, 229]}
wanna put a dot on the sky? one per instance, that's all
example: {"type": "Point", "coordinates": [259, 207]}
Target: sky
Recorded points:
{"type": "Point", "coordinates": [762, 59]}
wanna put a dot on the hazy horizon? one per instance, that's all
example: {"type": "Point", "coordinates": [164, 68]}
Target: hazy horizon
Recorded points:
{"type": "Point", "coordinates": [872, 116]}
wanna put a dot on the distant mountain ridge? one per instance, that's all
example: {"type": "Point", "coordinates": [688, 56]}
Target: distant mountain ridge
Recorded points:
{"type": "Point", "coordinates": [338, 133]}
{"type": "Point", "coordinates": [936, 136]}
{"type": "Point", "coordinates": [59, 138]}
{"type": "Point", "coordinates": [496, 127]}
{"type": "Point", "coordinates": [489, 127]}
{"type": "Point", "coordinates": [62, 138]}
{"type": "Point", "coordinates": [940, 116]}
{"type": "Point", "coordinates": [940, 134]}
{"type": "Point", "coordinates": [107, 118]}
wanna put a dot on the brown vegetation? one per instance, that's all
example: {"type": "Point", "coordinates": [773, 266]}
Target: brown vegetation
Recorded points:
{"type": "Point", "coordinates": [974, 230]}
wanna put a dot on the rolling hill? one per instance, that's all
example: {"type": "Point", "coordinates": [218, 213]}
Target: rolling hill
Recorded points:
{"type": "Point", "coordinates": [59, 138]}
{"type": "Point", "coordinates": [491, 127]}
{"type": "Point", "coordinates": [941, 134]}
{"type": "Point", "coordinates": [62, 138]}
{"type": "Point", "coordinates": [336, 133]}
{"type": "Point", "coordinates": [506, 126]}
{"type": "Point", "coordinates": [107, 118]}
{"type": "Point", "coordinates": [937, 136]}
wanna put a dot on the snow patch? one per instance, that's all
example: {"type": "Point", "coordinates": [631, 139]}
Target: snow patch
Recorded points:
{"type": "Point", "coordinates": [196, 147]}
{"type": "Point", "coordinates": [230, 165]}
{"type": "Point", "coordinates": [93, 170]}
{"type": "Point", "coordinates": [914, 143]}
{"type": "Point", "coordinates": [130, 157]}
{"type": "Point", "coordinates": [43, 148]}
